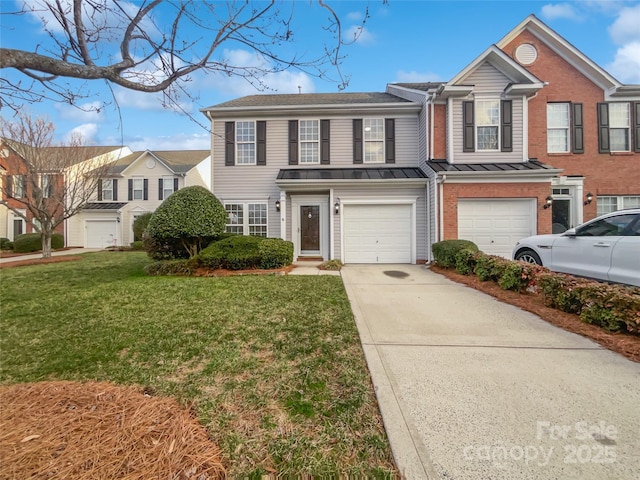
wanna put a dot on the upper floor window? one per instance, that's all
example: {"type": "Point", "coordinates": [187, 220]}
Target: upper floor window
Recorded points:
{"type": "Point", "coordinates": [618, 124]}
{"type": "Point", "coordinates": [611, 203]}
{"type": "Point", "coordinates": [487, 124]}
{"type": "Point", "coordinates": [558, 124]}
{"type": "Point", "coordinates": [309, 141]}
{"type": "Point", "coordinates": [138, 189]}
{"type": "Point", "coordinates": [373, 140]}
{"type": "Point", "coordinates": [107, 189]}
{"type": "Point", "coordinates": [17, 186]}
{"type": "Point", "coordinates": [46, 184]}
{"type": "Point", "coordinates": [246, 143]}
{"type": "Point", "coordinates": [166, 186]}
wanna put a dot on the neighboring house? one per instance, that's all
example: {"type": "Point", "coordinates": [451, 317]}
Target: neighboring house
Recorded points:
{"type": "Point", "coordinates": [531, 137]}
{"type": "Point", "coordinates": [136, 184]}
{"type": "Point", "coordinates": [17, 187]}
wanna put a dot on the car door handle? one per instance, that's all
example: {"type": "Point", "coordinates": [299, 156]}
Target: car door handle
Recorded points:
{"type": "Point", "coordinates": [601, 244]}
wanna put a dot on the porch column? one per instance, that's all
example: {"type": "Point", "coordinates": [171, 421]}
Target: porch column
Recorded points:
{"type": "Point", "coordinates": [283, 215]}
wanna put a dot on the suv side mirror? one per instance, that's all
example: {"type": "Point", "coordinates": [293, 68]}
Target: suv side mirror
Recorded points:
{"type": "Point", "coordinates": [570, 233]}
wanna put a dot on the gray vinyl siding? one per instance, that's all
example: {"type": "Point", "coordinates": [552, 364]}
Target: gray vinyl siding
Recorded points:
{"type": "Point", "coordinates": [380, 193]}
{"type": "Point", "coordinates": [488, 82]}
{"type": "Point", "coordinates": [423, 121]}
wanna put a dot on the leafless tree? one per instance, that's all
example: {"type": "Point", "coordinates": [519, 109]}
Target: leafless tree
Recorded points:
{"type": "Point", "coordinates": [156, 45]}
{"type": "Point", "coordinates": [45, 184]}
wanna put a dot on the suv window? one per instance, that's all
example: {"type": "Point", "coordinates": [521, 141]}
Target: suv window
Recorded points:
{"type": "Point", "coordinates": [608, 227]}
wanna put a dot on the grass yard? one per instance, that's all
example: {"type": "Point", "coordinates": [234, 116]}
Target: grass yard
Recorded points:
{"type": "Point", "coordinates": [272, 365]}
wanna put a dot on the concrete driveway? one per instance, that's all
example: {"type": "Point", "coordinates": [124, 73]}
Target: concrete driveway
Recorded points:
{"type": "Point", "coordinates": [471, 388]}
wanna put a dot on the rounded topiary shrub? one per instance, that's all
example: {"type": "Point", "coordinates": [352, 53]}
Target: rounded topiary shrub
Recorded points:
{"type": "Point", "coordinates": [4, 241]}
{"type": "Point", "coordinates": [445, 252]}
{"type": "Point", "coordinates": [184, 223]}
{"type": "Point", "coordinates": [32, 242]}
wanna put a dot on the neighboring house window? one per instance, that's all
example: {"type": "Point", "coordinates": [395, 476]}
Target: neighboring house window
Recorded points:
{"type": "Point", "coordinates": [17, 186]}
{"type": "Point", "coordinates": [618, 124]}
{"type": "Point", "coordinates": [107, 189]}
{"type": "Point", "coordinates": [138, 189]}
{"type": "Point", "coordinates": [309, 141]}
{"type": "Point", "coordinates": [46, 184]}
{"type": "Point", "coordinates": [611, 203]}
{"type": "Point", "coordinates": [487, 124]}
{"type": "Point", "coordinates": [247, 218]}
{"type": "Point", "coordinates": [374, 140]}
{"type": "Point", "coordinates": [245, 143]}
{"type": "Point", "coordinates": [558, 127]}
{"type": "Point", "coordinates": [166, 186]}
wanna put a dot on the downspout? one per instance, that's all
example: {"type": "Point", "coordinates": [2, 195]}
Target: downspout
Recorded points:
{"type": "Point", "coordinates": [441, 213]}
{"type": "Point", "coordinates": [208, 114]}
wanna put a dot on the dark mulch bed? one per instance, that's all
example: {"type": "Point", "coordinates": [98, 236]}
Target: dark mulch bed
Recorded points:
{"type": "Point", "coordinates": [40, 261]}
{"type": "Point", "coordinates": [624, 344]}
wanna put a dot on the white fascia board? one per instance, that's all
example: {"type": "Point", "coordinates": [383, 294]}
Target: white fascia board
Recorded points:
{"type": "Point", "coordinates": [424, 93]}
{"type": "Point", "coordinates": [288, 110]}
{"type": "Point", "coordinates": [519, 89]}
{"type": "Point", "coordinates": [448, 91]}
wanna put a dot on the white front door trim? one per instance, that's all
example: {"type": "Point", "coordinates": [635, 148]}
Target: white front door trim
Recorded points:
{"type": "Point", "coordinates": [322, 201]}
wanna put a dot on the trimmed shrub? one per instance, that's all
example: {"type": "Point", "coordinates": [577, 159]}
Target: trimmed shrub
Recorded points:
{"type": "Point", "coordinates": [466, 261]}
{"type": "Point", "coordinates": [137, 245]}
{"type": "Point", "coordinates": [184, 223]}
{"type": "Point", "coordinates": [140, 225]}
{"type": "Point", "coordinates": [560, 291]}
{"type": "Point", "coordinates": [234, 253]}
{"type": "Point", "coordinates": [612, 307]}
{"type": "Point", "coordinates": [444, 252]}
{"type": "Point", "coordinates": [275, 253]}
{"type": "Point", "coordinates": [490, 267]}
{"type": "Point", "coordinates": [519, 276]}
{"type": "Point", "coordinates": [32, 242]}
{"type": "Point", "coordinates": [170, 267]}
{"type": "Point", "coordinates": [4, 242]}
{"type": "Point", "coordinates": [8, 246]}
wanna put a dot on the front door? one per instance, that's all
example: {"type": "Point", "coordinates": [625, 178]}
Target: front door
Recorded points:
{"type": "Point", "coordinates": [561, 215]}
{"type": "Point", "coordinates": [310, 229]}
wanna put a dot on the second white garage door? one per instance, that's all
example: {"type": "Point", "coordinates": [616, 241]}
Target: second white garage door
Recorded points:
{"type": "Point", "coordinates": [496, 225]}
{"type": "Point", "coordinates": [377, 233]}
{"type": "Point", "coordinates": [100, 233]}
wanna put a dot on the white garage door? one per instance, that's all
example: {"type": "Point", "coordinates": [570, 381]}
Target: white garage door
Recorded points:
{"type": "Point", "coordinates": [100, 233]}
{"type": "Point", "coordinates": [496, 225]}
{"type": "Point", "coordinates": [377, 233]}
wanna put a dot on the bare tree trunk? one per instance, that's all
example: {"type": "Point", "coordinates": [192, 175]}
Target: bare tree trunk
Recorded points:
{"type": "Point", "coordinates": [46, 244]}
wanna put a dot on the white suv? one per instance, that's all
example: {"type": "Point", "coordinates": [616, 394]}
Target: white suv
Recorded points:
{"type": "Point", "coordinates": [605, 248]}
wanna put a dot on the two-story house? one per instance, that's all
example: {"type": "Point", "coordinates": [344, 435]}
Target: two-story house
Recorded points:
{"type": "Point", "coordinates": [135, 184]}
{"type": "Point", "coordinates": [336, 174]}
{"type": "Point", "coordinates": [531, 137]}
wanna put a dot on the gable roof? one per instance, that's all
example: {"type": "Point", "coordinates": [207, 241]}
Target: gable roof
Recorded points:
{"type": "Point", "coordinates": [177, 161]}
{"type": "Point", "coordinates": [569, 53]}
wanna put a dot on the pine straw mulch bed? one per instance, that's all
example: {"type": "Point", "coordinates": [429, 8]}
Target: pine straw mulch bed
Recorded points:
{"type": "Point", "coordinates": [97, 430]}
{"type": "Point", "coordinates": [624, 344]}
{"type": "Point", "coordinates": [40, 261]}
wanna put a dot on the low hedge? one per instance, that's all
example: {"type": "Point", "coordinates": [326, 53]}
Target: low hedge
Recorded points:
{"type": "Point", "coordinates": [137, 245]}
{"type": "Point", "coordinates": [240, 252]}
{"type": "Point", "coordinates": [32, 242]}
{"type": "Point", "coordinates": [183, 267]}
{"type": "Point", "coordinates": [445, 252]}
{"type": "Point", "coordinates": [613, 307]}
{"type": "Point", "coordinates": [4, 243]}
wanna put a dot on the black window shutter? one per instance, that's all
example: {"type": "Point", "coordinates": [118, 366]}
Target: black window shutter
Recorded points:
{"type": "Point", "coordinates": [389, 140]}
{"type": "Point", "coordinates": [160, 185]}
{"type": "Point", "coordinates": [636, 125]}
{"type": "Point", "coordinates": [506, 124]}
{"type": "Point", "coordinates": [130, 189]}
{"type": "Point", "coordinates": [115, 189]}
{"type": "Point", "coordinates": [357, 140]}
{"type": "Point", "coordinates": [145, 192]}
{"type": "Point", "coordinates": [175, 184]}
{"type": "Point", "coordinates": [99, 190]}
{"type": "Point", "coordinates": [324, 142]}
{"type": "Point", "coordinates": [577, 128]}
{"type": "Point", "coordinates": [229, 143]}
{"type": "Point", "coordinates": [261, 146]}
{"type": "Point", "coordinates": [9, 185]}
{"type": "Point", "coordinates": [293, 142]}
{"type": "Point", "coordinates": [468, 137]}
{"type": "Point", "coordinates": [603, 128]}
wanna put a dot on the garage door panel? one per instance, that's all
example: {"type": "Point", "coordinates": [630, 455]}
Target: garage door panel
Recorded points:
{"type": "Point", "coordinates": [100, 233]}
{"type": "Point", "coordinates": [495, 225]}
{"type": "Point", "coordinates": [377, 233]}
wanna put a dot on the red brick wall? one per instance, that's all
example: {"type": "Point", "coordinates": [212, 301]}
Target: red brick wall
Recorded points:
{"type": "Point", "coordinates": [440, 131]}
{"type": "Point", "coordinates": [605, 174]}
{"type": "Point", "coordinates": [453, 191]}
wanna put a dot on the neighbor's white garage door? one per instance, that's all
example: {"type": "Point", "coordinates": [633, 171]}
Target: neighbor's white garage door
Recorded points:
{"type": "Point", "coordinates": [496, 225]}
{"type": "Point", "coordinates": [100, 233]}
{"type": "Point", "coordinates": [377, 233]}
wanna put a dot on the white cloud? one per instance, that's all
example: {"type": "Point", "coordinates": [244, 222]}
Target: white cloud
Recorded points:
{"type": "Point", "coordinates": [88, 131]}
{"type": "Point", "coordinates": [417, 77]}
{"type": "Point", "coordinates": [86, 112]}
{"type": "Point", "coordinates": [359, 35]}
{"type": "Point", "coordinates": [626, 28]}
{"type": "Point", "coordinates": [626, 65]}
{"type": "Point", "coordinates": [149, 101]}
{"type": "Point", "coordinates": [179, 141]}
{"type": "Point", "coordinates": [355, 16]}
{"type": "Point", "coordinates": [560, 10]}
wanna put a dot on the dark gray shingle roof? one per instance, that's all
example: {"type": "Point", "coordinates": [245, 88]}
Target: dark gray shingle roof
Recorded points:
{"type": "Point", "coordinates": [297, 99]}
{"type": "Point", "coordinates": [379, 173]}
{"type": "Point", "coordinates": [180, 161]}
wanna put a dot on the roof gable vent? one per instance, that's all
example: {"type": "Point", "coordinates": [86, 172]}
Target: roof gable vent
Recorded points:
{"type": "Point", "coordinates": [526, 54]}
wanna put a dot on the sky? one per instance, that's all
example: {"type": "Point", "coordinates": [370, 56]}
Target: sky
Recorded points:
{"type": "Point", "coordinates": [402, 41]}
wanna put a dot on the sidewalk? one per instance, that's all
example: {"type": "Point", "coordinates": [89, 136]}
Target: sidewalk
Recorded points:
{"type": "Point", "coordinates": [471, 388]}
{"type": "Point", "coordinates": [31, 256]}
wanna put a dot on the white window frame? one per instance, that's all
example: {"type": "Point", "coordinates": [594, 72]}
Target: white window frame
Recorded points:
{"type": "Point", "coordinates": [624, 126]}
{"type": "Point", "coordinates": [307, 141]}
{"type": "Point", "coordinates": [245, 138]}
{"type": "Point", "coordinates": [242, 224]}
{"type": "Point", "coordinates": [21, 184]}
{"type": "Point", "coordinates": [109, 197]}
{"type": "Point", "coordinates": [369, 140]}
{"type": "Point", "coordinates": [478, 125]}
{"type": "Point", "coordinates": [141, 189]}
{"type": "Point", "coordinates": [612, 203]}
{"type": "Point", "coordinates": [46, 185]}
{"type": "Point", "coordinates": [166, 192]}
{"type": "Point", "coordinates": [563, 126]}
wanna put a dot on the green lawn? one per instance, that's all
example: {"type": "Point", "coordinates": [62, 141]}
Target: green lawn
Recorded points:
{"type": "Point", "coordinates": [271, 364]}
